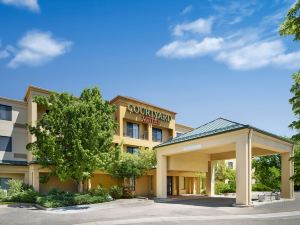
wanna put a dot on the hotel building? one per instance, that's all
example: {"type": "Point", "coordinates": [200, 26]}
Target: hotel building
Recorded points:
{"type": "Point", "coordinates": [141, 125]}
{"type": "Point", "coordinates": [185, 156]}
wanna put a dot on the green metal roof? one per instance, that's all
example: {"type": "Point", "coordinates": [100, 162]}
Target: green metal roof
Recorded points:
{"type": "Point", "coordinates": [214, 127]}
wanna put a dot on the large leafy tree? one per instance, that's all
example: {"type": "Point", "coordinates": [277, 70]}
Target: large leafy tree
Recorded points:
{"type": "Point", "coordinates": [267, 170]}
{"type": "Point", "coordinates": [74, 136]}
{"type": "Point", "coordinates": [291, 26]}
{"type": "Point", "coordinates": [131, 165]}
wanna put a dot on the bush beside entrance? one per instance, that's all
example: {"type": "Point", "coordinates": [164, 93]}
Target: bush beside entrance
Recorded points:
{"type": "Point", "coordinates": [20, 192]}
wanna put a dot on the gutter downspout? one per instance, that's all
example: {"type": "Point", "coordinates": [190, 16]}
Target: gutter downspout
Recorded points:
{"type": "Point", "coordinates": [250, 165]}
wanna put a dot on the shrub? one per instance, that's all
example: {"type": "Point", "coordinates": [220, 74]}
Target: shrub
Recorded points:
{"type": "Point", "coordinates": [116, 192]}
{"type": "Point", "coordinates": [99, 191]}
{"type": "Point", "coordinates": [221, 187]}
{"type": "Point", "coordinates": [20, 192]}
{"type": "Point", "coordinates": [3, 195]}
{"type": "Point", "coordinates": [127, 193]}
{"type": "Point", "coordinates": [14, 187]}
{"type": "Point", "coordinates": [260, 187]}
{"type": "Point", "coordinates": [56, 198]}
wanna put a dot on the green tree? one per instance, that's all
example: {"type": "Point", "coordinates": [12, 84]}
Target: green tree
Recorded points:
{"type": "Point", "coordinates": [74, 136]}
{"type": "Point", "coordinates": [130, 165]}
{"type": "Point", "coordinates": [267, 170]}
{"type": "Point", "coordinates": [291, 26]}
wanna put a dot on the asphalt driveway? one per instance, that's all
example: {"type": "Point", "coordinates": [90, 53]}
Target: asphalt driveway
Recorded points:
{"type": "Point", "coordinates": [184, 211]}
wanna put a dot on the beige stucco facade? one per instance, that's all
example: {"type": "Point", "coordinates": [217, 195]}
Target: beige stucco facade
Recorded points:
{"type": "Point", "coordinates": [19, 164]}
{"type": "Point", "coordinates": [241, 145]}
{"type": "Point", "coordinates": [179, 164]}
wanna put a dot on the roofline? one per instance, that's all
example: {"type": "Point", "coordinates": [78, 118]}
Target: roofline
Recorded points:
{"type": "Point", "coordinates": [228, 131]}
{"type": "Point", "coordinates": [191, 128]}
{"type": "Point", "coordinates": [13, 100]}
{"type": "Point", "coordinates": [35, 88]}
{"type": "Point", "coordinates": [139, 101]}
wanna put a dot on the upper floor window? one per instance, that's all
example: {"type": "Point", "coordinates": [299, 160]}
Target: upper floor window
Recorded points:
{"type": "Point", "coordinates": [5, 144]}
{"type": "Point", "coordinates": [5, 112]}
{"type": "Point", "coordinates": [156, 135]}
{"type": "Point", "coordinates": [132, 130]}
{"type": "Point", "coordinates": [132, 150]}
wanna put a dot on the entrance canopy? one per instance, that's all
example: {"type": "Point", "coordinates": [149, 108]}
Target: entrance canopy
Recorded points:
{"type": "Point", "coordinates": [222, 139]}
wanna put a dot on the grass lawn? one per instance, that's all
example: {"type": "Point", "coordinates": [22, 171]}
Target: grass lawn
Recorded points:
{"type": "Point", "coordinates": [7, 203]}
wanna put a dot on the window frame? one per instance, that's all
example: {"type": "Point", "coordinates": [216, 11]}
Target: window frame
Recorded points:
{"type": "Point", "coordinates": [133, 130]}
{"type": "Point", "coordinates": [135, 150]}
{"type": "Point", "coordinates": [154, 132]}
{"type": "Point", "coordinates": [5, 107]}
{"type": "Point", "coordinates": [8, 146]}
{"type": "Point", "coordinates": [6, 185]}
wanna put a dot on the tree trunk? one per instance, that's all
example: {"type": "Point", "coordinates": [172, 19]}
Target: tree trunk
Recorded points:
{"type": "Point", "coordinates": [80, 186]}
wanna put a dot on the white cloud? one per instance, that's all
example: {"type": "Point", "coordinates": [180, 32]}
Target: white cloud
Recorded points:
{"type": "Point", "coordinates": [199, 26]}
{"type": "Point", "coordinates": [289, 60]}
{"type": "Point", "coordinates": [29, 4]}
{"type": "Point", "coordinates": [190, 48]}
{"type": "Point", "coordinates": [258, 55]}
{"type": "Point", "coordinates": [236, 20]}
{"type": "Point", "coordinates": [187, 10]}
{"type": "Point", "coordinates": [37, 48]}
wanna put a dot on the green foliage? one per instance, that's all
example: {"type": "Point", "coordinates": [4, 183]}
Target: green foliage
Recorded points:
{"type": "Point", "coordinates": [74, 137]}
{"type": "Point", "coordinates": [260, 187]}
{"type": "Point", "coordinates": [296, 159]}
{"type": "Point", "coordinates": [291, 24]}
{"type": "Point", "coordinates": [222, 187]}
{"type": "Point", "coordinates": [2, 195]}
{"type": "Point", "coordinates": [127, 193]}
{"type": "Point", "coordinates": [56, 198]}
{"type": "Point", "coordinates": [20, 192]}
{"type": "Point", "coordinates": [132, 165]}
{"type": "Point", "coordinates": [225, 178]}
{"type": "Point", "coordinates": [267, 171]}
{"type": "Point", "coordinates": [99, 191]}
{"type": "Point", "coordinates": [116, 192]}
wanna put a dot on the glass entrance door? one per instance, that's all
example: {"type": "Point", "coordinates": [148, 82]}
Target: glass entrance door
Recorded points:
{"type": "Point", "coordinates": [169, 185]}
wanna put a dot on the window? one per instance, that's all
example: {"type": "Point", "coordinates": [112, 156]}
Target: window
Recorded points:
{"type": "Point", "coordinates": [5, 144]}
{"type": "Point", "coordinates": [5, 112]}
{"type": "Point", "coordinates": [156, 134]}
{"type": "Point", "coordinates": [230, 165]}
{"type": "Point", "coordinates": [178, 134]}
{"type": "Point", "coordinates": [132, 130]}
{"type": "Point", "coordinates": [132, 150]}
{"type": "Point", "coordinates": [4, 183]}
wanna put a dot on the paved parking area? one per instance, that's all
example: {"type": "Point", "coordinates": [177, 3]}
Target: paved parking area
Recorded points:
{"type": "Point", "coordinates": [186, 211]}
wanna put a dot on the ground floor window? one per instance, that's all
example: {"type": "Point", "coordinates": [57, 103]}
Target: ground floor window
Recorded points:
{"type": "Point", "coordinates": [4, 183]}
{"type": "Point", "coordinates": [132, 150]}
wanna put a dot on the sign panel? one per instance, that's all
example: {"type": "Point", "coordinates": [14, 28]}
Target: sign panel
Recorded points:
{"type": "Point", "coordinates": [148, 115]}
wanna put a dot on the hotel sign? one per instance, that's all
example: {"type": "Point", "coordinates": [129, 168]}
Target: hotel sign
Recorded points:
{"type": "Point", "coordinates": [148, 115]}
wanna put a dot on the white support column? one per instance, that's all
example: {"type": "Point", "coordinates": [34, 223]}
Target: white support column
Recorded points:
{"type": "Point", "coordinates": [210, 179]}
{"type": "Point", "coordinates": [243, 172]}
{"type": "Point", "coordinates": [34, 178]}
{"type": "Point", "coordinates": [287, 170]}
{"type": "Point", "coordinates": [161, 176]}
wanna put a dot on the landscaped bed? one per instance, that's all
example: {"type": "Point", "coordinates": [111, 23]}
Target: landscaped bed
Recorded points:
{"type": "Point", "coordinates": [19, 192]}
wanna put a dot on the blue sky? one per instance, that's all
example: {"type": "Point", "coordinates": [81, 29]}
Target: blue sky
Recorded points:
{"type": "Point", "coordinates": [202, 59]}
